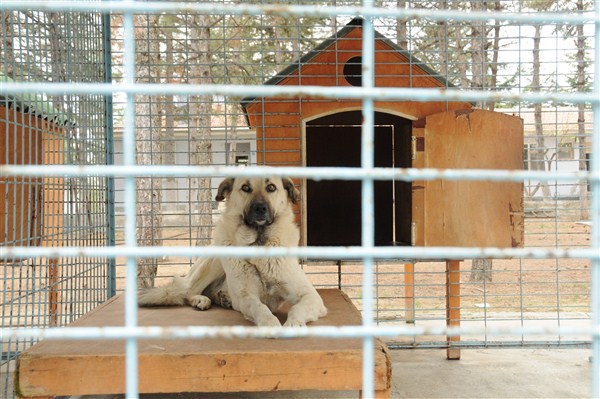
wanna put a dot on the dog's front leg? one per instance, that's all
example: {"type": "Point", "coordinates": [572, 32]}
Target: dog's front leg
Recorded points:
{"type": "Point", "coordinates": [246, 290]}
{"type": "Point", "coordinates": [258, 313]}
{"type": "Point", "coordinates": [309, 308]}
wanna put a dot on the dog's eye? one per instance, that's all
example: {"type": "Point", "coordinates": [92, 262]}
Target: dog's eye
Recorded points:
{"type": "Point", "coordinates": [246, 188]}
{"type": "Point", "coordinates": [271, 188]}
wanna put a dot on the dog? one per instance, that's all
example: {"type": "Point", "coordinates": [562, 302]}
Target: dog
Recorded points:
{"type": "Point", "coordinates": [258, 212]}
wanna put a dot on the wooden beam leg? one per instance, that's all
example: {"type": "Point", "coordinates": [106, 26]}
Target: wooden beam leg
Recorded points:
{"type": "Point", "coordinates": [53, 299]}
{"type": "Point", "coordinates": [381, 394]}
{"type": "Point", "coordinates": [452, 305]}
{"type": "Point", "coordinates": [409, 292]}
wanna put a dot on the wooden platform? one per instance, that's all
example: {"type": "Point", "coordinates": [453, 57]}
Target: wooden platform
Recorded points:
{"type": "Point", "coordinates": [56, 368]}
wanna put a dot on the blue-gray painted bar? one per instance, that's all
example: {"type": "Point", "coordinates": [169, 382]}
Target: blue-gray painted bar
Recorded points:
{"type": "Point", "coordinates": [129, 156]}
{"type": "Point", "coordinates": [291, 10]}
{"type": "Point", "coordinates": [316, 173]}
{"type": "Point", "coordinates": [282, 92]}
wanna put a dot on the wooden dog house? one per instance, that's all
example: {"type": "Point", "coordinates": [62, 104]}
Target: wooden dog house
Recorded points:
{"type": "Point", "coordinates": [305, 131]}
{"type": "Point", "coordinates": [31, 133]}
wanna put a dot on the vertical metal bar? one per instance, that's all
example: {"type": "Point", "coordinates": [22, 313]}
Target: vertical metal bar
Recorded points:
{"type": "Point", "coordinates": [368, 209]}
{"type": "Point", "coordinates": [111, 279]}
{"type": "Point", "coordinates": [595, 216]}
{"type": "Point", "coordinates": [131, 349]}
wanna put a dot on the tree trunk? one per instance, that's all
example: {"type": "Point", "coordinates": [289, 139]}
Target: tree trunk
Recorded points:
{"type": "Point", "coordinates": [495, 53]}
{"type": "Point", "coordinates": [401, 28]}
{"type": "Point", "coordinates": [538, 155]}
{"type": "Point", "coordinates": [580, 43]}
{"type": "Point", "coordinates": [7, 50]}
{"type": "Point", "coordinates": [169, 109]}
{"type": "Point", "coordinates": [479, 65]}
{"type": "Point", "coordinates": [147, 145]}
{"type": "Point", "coordinates": [442, 37]}
{"type": "Point", "coordinates": [462, 60]}
{"type": "Point", "coordinates": [200, 124]}
{"type": "Point", "coordinates": [286, 35]}
{"type": "Point", "coordinates": [481, 270]}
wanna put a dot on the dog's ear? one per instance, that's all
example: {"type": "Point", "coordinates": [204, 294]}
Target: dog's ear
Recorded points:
{"type": "Point", "coordinates": [225, 188]}
{"type": "Point", "coordinates": [292, 192]}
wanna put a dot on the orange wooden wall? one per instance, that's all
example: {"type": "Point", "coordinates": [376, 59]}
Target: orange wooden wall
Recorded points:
{"type": "Point", "coordinates": [31, 207]}
{"type": "Point", "coordinates": [278, 121]}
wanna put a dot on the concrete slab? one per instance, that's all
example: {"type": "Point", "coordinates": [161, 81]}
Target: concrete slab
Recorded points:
{"type": "Point", "coordinates": [493, 373]}
{"type": "Point", "coordinates": [481, 373]}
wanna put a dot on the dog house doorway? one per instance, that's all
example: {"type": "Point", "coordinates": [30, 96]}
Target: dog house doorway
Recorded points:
{"type": "Point", "coordinates": [333, 207]}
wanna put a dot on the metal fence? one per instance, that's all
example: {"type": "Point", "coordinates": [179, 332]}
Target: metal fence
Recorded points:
{"type": "Point", "coordinates": [192, 98]}
{"type": "Point", "coordinates": [43, 130]}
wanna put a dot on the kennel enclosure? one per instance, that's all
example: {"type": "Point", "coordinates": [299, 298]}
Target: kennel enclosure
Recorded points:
{"type": "Point", "coordinates": [431, 48]}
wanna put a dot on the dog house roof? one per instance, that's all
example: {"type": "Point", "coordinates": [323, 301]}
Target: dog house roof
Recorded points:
{"type": "Point", "coordinates": [32, 103]}
{"type": "Point", "coordinates": [404, 56]}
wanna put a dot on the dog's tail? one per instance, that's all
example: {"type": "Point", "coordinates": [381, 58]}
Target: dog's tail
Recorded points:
{"type": "Point", "coordinates": [172, 294]}
{"type": "Point", "coordinates": [201, 275]}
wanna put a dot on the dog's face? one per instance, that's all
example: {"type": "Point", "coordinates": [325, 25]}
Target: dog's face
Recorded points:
{"type": "Point", "coordinates": [258, 200]}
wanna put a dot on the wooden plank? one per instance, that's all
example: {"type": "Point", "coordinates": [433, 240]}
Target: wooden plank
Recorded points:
{"type": "Point", "coordinates": [473, 213]}
{"type": "Point", "coordinates": [204, 365]}
{"type": "Point", "coordinates": [453, 306]}
{"type": "Point", "coordinates": [409, 292]}
{"type": "Point", "coordinates": [381, 394]}
{"type": "Point", "coordinates": [418, 187]}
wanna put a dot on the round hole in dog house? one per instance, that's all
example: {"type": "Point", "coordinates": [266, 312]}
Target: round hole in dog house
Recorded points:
{"type": "Point", "coordinates": [353, 71]}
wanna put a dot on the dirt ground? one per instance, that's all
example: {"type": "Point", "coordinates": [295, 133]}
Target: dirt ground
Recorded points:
{"type": "Point", "coordinates": [544, 292]}
{"type": "Point", "coordinates": [548, 289]}
{"type": "Point", "coordinates": [517, 286]}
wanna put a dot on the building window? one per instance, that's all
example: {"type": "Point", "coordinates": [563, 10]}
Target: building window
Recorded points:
{"type": "Point", "coordinates": [242, 160]}
{"type": "Point", "coordinates": [527, 156]}
{"type": "Point", "coordinates": [565, 151]}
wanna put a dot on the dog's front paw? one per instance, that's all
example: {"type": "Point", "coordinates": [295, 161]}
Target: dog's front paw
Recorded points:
{"type": "Point", "coordinates": [267, 321]}
{"type": "Point", "coordinates": [200, 302]}
{"type": "Point", "coordinates": [224, 300]}
{"type": "Point", "coordinates": [294, 322]}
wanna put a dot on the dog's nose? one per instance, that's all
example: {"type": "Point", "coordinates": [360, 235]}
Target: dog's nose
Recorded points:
{"type": "Point", "coordinates": [259, 208]}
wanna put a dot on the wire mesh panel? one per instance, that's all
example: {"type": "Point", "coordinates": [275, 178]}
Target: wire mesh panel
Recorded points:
{"type": "Point", "coordinates": [58, 211]}
{"type": "Point", "coordinates": [406, 128]}
{"type": "Point", "coordinates": [456, 54]}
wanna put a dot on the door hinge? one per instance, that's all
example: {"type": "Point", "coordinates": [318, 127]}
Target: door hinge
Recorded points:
{"type": "Point", "coordinates": [413, 234]}
{"type": "Point", "coordinates": [417, 144]}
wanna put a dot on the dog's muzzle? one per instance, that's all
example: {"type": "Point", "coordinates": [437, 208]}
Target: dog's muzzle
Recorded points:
{"type": "Point", "coordinates": [258, 214]}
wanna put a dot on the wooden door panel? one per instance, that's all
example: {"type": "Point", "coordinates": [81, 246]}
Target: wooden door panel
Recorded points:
{"type": "Point", "coordinates": [473, 213]}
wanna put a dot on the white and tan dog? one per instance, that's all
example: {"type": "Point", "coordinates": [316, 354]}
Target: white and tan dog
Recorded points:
{"type": "Point", "coordinates": [258, 211]}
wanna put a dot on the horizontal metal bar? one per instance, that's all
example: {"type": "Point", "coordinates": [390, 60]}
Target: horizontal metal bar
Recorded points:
{"type": "Point", "coordinates": [315, 173]}
{"type": "Point", "coordinates": [290, 10]}
{"type": "Point", "coordinates": [404, 253]}
{"type": "Point", "coordinates": [355, 93]}
{"type": "Point", "coordinates": [334, 332]}
{"type": "Point", "coordinates": [525, 343]}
